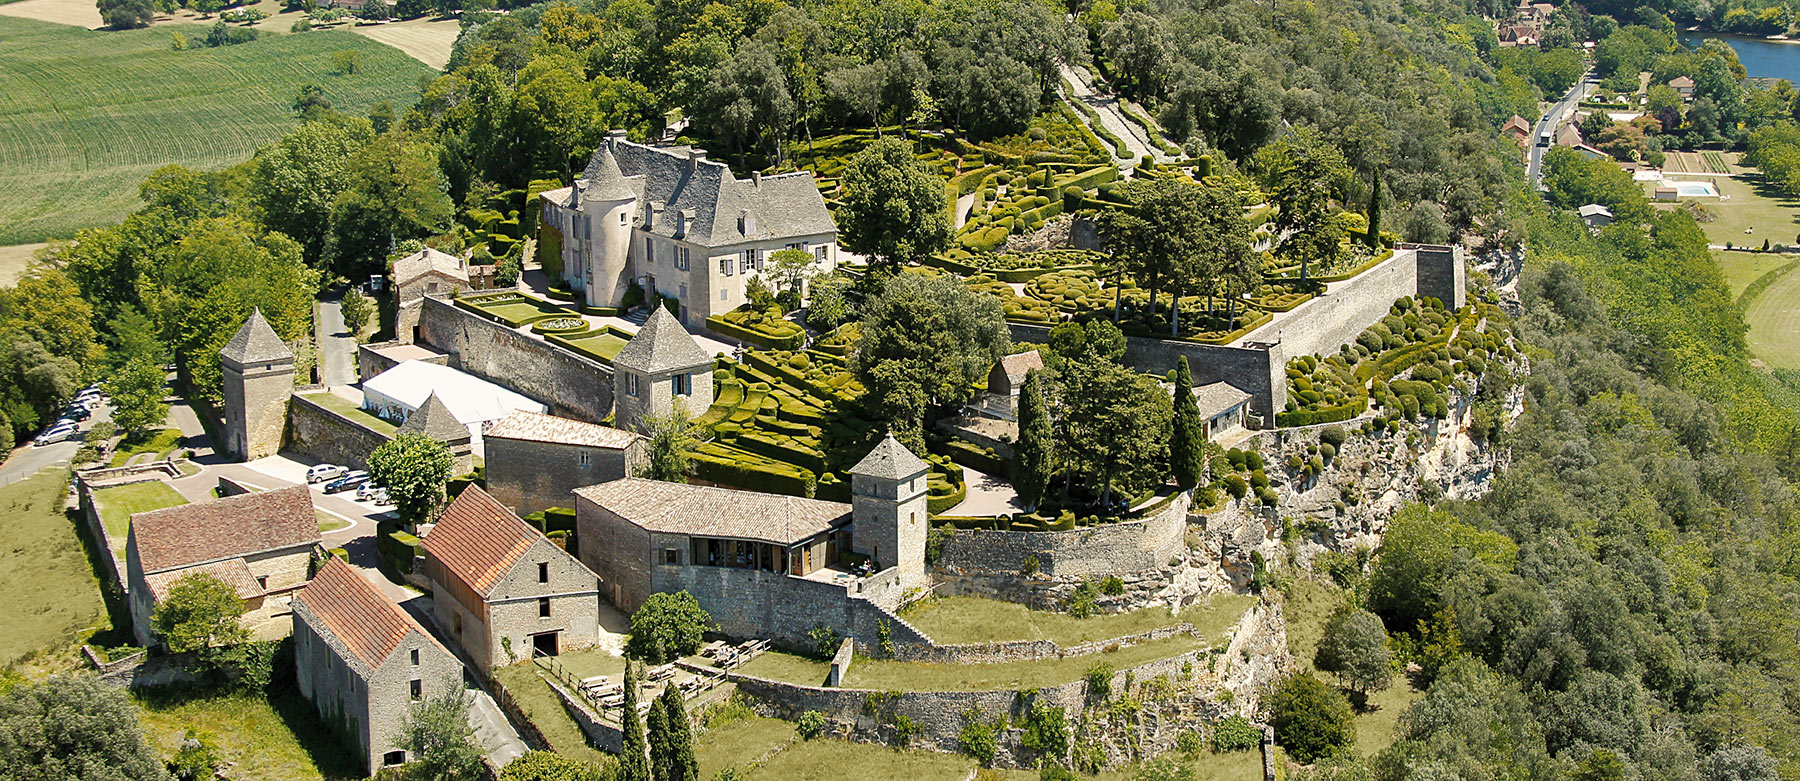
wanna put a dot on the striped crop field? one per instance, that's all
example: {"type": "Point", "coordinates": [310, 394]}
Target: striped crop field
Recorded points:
{"type": "Point", "coordinates": [86, 115]}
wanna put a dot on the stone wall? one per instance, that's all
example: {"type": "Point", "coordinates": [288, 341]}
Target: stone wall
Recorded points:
{"type": "Point", "coordinates": [1257, 371]}
{"type": "Point", "coordinates": [840, 662]}
{"type": "Point", "coordinates": [1442, 273]}
{"type": "Point", "coordinates": [1027, 650]}
{"type": "Point", "coordinates": [370, 361]}
{"type": "Point", "coordinates": [976, 562]}
{"type": "Point", "coordinates": [571, 385]}
{"type": "Point", "coordinates": [528, 475]}
{"type": "Point", "coordinates": [784, 609]}
{"type": "Point", "coordinates": [317, 432]}
{"type": "Point", "coordinates": [1335, 318]}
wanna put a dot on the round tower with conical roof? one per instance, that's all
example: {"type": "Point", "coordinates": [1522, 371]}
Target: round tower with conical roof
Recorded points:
{"type": "Point", "coordinates": [257, 370]}
{"type": "Point", "coordinates": [607, 203]}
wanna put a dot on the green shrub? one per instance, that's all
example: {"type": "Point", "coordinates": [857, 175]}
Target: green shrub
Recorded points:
{"type": "Point", "coordinates": [1235, 734]}
{"type": "Point", "coordinates": [812, 724]}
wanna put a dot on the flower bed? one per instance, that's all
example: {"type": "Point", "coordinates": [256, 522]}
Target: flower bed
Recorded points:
{"type": "Point", "coordinates": [561, 326]}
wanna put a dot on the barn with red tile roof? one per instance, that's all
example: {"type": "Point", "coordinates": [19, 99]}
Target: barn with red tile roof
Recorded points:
{"type": "Point", "coordinates": [362, 662]}
{"type": "Point", "coordinates": [502, 590]}
{"type": "Point", "coordinates": [260, 544]}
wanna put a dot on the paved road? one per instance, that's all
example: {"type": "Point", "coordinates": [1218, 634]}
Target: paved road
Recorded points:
{"type": "Point", "coordinates": [28, 459]}
{"type": "Point", "coordinates": [337, 348]}
{"type": "Point", "coordinates": [1548, 122]}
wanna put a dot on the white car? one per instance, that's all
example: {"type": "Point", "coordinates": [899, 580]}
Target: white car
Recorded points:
{"type": "Point", "coordinates": [319, 473]}
{"type": "Point", "coordinates": [55, 434]}
{"type": "Point", "coordinates": [371, 493]}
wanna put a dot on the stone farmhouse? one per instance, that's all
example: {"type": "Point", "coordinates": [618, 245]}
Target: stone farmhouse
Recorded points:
{"type": "Point", "coordinates": [537, 461]}
{"type": "Point", "coordinates": [764, 565]}
{"type": "Point", "coordinates": [680, 226]}
{"type": "Point", "coordinates": [260, 544]}
{"type": "Point", "coordinates": [660, 366]}
{"type": "Point", "coordinates": [258, 377]}
{"type": "Point", "coordinates": [502, 590]}
{"type": "Point", "coordinates": [362, 661]}
{"type": "Point", "coordinates": [427, 272]}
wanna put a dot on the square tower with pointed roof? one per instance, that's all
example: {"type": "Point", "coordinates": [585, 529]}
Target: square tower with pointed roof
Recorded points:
{"type": "Point", "coordinates": [661, 365]}
{"type": "Point", "coordinates": [257, 370]}
{"type": "Point", "coordinates": [890, 512]}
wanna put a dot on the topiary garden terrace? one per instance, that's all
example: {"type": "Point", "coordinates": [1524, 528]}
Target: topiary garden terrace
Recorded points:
{"type": "Point", "coordinates": [759, 327]}
{"type": "Point", "coordinates": [602, 344]}
{"type": "Point", "coordinates": [1418, 336]}
{"type": "Point", "coordinates": [512, 308]}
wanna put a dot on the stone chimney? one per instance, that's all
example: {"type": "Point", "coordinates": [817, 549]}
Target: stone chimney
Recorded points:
{"type": "Point", "coordinates": [756, 179]}
{"type": "Point", "coordinates": [696, 156]}
{"type": "Point", "coordinates": [613, 137]}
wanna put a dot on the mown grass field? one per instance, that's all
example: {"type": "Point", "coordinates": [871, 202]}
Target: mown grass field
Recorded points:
{"type": "Point", "coordinates": [972, 620]}
{"type": "Point", "coordinates": [1774, 319]}
{"type": "Point", "coordinates": [1309, 606]}
{"type": "Point", "coordinates": [86, 115]}
{"type": "Point", "coordinates": [51, 593]}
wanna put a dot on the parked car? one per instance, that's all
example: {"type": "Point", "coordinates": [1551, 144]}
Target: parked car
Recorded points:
{"type": "Point", "coordinates": [347, 482]}
{"type": "Point", "coordinates": [370, 492]}
{"type": "Point", "coordinates": [57, 433]}
{"type": "Point", "coordinates": [320, 473]}
{"type": "Point", "coordinates": [76, 412]}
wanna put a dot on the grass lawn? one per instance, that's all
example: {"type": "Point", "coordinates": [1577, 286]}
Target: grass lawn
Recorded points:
{"type": "Point", "coordinates": [349, 409]}
{"type": "Point", "coordinates": [1743, 268]}
{"type": "Point", "coordinates": [1746, 203]}
{"type": "Point", "coordinates": [277, 737]}
{"type": "Point", "coordinates": [955, 620]}
{"type": "Point", "coordinates": [602, 344]}
{"type": "Point", "coordinates": [329, 522]}
{"type": "Point", "coordinates": [119, 503]}
{"type": "Point", "coordinates": [545, 710]}
{"type": "Point", "coordinates": [518, 312]}
{"type": "Point", "coordinates": [827, 759]}
{"type": "Point", "coordinates": [1309, 605]}
{"type": "Point", "coordinates": [158, 442]}
{"type": "Point", "coordinates": [86, 115]}
{"type": "Point", "coordinates": [1774, 319]}
{"type": "Point", "coordinates": [739, 742]}
{"type": "Point", "coordinates": [52, 594]}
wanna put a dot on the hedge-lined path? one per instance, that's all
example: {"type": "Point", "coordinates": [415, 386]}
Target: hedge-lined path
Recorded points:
{"type": "Point", "coordinates": [963, 205]}
{"type": "Point", "coordinates": [1107, 107]}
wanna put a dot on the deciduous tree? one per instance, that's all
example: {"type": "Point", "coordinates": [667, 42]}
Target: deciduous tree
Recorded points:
{"type": "Point", "coordinates": [1355, 647]}
{"type": "Point", "coordinates": [669, 625]}
{"type": "Point", "coordinates": [1311, 720]}
{"type": "Point", "coordinates": [669, 453]}
{"type": "Point", "coordinates": [438, 736]}
{"type": "Point", "coordinates": [73, 728]}
{"type": "Point", "coordinates": [894, 209]}
{"type": "Point", "coordinates": [414, 468]}
{"type": "Point", "coordinates": [550, 766]}
{"type": "Point", "coordinates": [201, 615]}
{"type": "Point", "coordinates": [926, 340]}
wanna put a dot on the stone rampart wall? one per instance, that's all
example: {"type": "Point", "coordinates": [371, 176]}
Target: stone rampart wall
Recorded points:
{"type": "Point", "coordinates": [1028, 650]}
{"type": "Point", "coordinates": [571, 385]}
{"type": "Point", "coordinates": [783, 609]}
{"type": "Point", "coordinates": [1111, 549]}
{"type": "Point", "coordinates": [320, 433]}
{"type": "Point", "coordinates": [1255, 371]}
{"type": "Point", "coordinates": [1327, 321]}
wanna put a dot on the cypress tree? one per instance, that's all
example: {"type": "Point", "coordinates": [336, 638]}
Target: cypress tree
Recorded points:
{"type": "Point", "coordinates": [656, 728]}
{"type": "Point", "coordinates": [683, 765]}
{"type": "Point", "coordinates": [1031, 456]}
{"type": "Point", "coordinates": [1187, 455]}
{"type": "Point", "coordinates": [632, 765]}
{"type": "Point", "coordinates": [1374, 235]}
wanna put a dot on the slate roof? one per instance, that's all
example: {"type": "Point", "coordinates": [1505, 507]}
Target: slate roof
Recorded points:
{"type": "Point", "coordinates": [417, 264]}
{"type": "Point", "coordinates": [234, 572]}
{"type": "Point", "coordinates": [256, 342]}
{"type": "Point", "coordinates": [1214, 398]}
{"type": "Point", "coordinates": [353, 610]}
{"type": "Point", "coordinates": [532, 427]}
{"type": "Point", "coordinates": [434, 420]}
{"type": "Point", "coordinates": [235, 526]}
{"type": "Point", "coordinates": [890, 460]}
{"type": "Point", "coordinates": [705, 511]}
{"type": "Point", "coordinates": [662, 345]}
{"type": "Point", "coordinates": [1593, 210]}
{"type": "Point", "coordinates": [478, 539]}
{"type": "Point", "coordinates": [785, 205]}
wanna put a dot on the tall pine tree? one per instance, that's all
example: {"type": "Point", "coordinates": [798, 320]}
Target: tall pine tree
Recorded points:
{"type": "Point", "coordinates": [682, 766]}
{"type": "Point", "coordinates": [1187, 455]}
{"type": "Point", "coordinates": [656, 728]}
{"type": "Point", "coordinates": [632, 764]}
{"type": "Point", "coordinates": [1031, 456]}
{"type": "Point", "coordinates": [1374, 235]}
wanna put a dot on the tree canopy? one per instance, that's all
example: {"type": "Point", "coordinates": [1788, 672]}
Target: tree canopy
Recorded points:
{"type": "Point", "coordinates": [926, 340]}
{"type": "Point", "coordinates": [414, 468]}
{"type": "Point", "coordinates": [73, 728]}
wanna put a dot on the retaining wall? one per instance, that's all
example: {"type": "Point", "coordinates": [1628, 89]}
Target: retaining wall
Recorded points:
{"type": "Point", "coordinates": [320, 433]}
{"type": "Point", "coordinates": [784, 609]}
{"type": "Point", "coordinates": [571, 385]}
{"type": "Point", "coordinates": [1257, 371]}
{"type": "Point", "coordinates": [370, 361]}
{"type": "Point", "coordinates": [1110, 549]}
{"type": "Point", "coordinates": [1028, 650]}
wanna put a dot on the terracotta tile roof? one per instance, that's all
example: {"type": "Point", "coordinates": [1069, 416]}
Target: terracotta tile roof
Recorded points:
{"type": "Point", "coordinates": [703, 511]}
{"type": "Point", "coordinates": [353, 610]}
{"type": "Point", "coordinates": [235, 572]}
{"type": "Point", "coordinates": [478, 539]}
{"type": "Point", "coordinates": [533, 427]}
{"type": "Point", "coordinates": [1017, 365]}
{"type": "Point", "coordinates": [235, 526]}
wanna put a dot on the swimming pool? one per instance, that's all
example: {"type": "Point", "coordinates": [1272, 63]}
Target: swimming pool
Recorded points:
{"type": "Point", "coordinates": [1695, 189]}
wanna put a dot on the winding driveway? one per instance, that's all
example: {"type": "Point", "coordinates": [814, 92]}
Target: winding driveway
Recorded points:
{"type": "Point", "coordinates": [1107, 107]}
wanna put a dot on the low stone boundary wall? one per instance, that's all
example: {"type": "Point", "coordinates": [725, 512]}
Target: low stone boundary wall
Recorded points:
{"type": "Point", "coordinates": [318, 432]}
{"type": "Point", "coordinates": [840, 662]}
{"type": "Point", "coordinates": [869, 715]}
{"type": "Point", "coordinates": [86, 484]}
{"type": "Point", "coordinates": [1027, 650]}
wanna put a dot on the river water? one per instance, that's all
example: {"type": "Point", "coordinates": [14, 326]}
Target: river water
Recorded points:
{"type": "Point", "coordinates": [1761, 58]}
